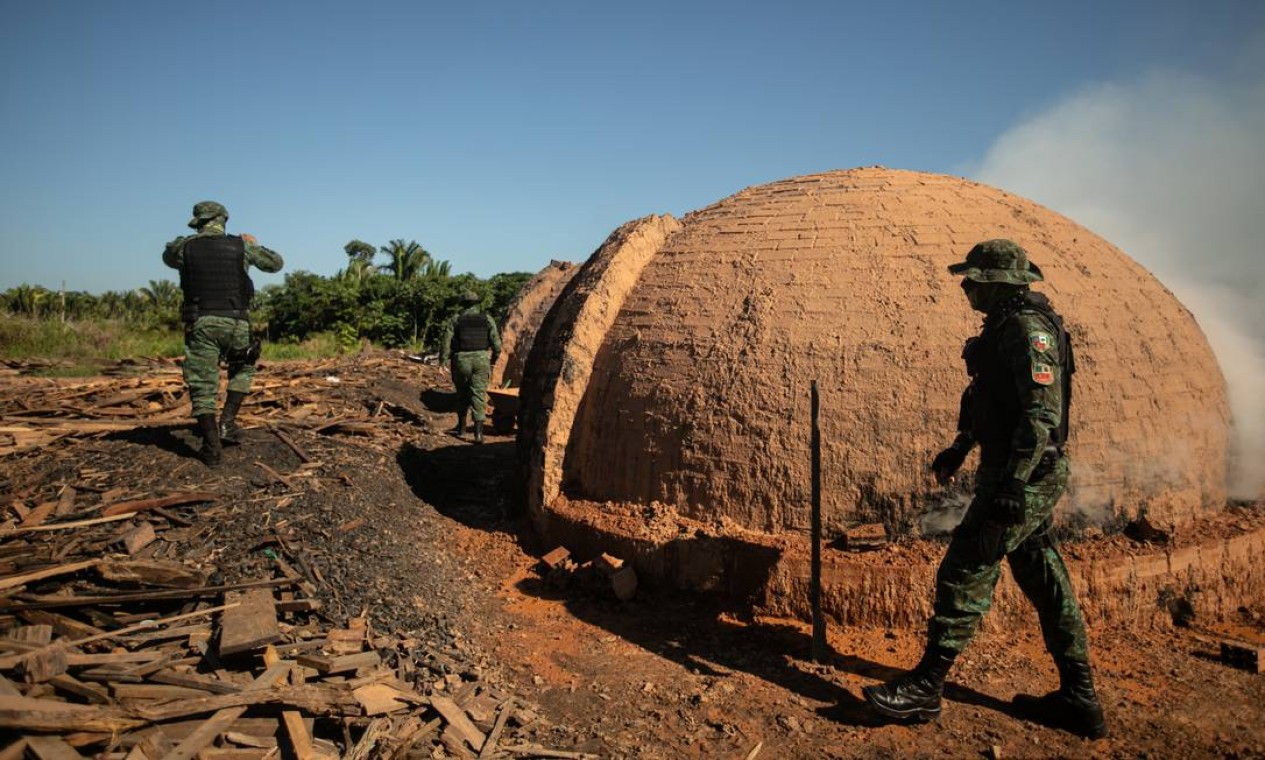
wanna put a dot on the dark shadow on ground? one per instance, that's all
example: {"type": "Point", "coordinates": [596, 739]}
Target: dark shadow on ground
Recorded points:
{"type": "Point", "coordinates": [177, 439]}
{"type": "Point", "coordinates": [479, 486]}
{"type": "Point", "coordinates": [476, 485]}
{"type": "Point", "coordinates": [694, 631]}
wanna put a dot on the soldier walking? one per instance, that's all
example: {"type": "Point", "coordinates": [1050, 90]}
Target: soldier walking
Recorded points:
{"type": "Point", "coordinates": [1016, 409]}
{"type": "Point", "coordinates": [217, 292]}
{"type": "Point", "coordinates": [467, 339]}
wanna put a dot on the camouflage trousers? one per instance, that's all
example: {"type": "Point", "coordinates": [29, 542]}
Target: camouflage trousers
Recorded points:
{"type": "Point", "coordinates": [966, 579]}
{"type": "Point", "coordinates": [206, 342]}
{"type": "Point", "coordinates": [470, 373]}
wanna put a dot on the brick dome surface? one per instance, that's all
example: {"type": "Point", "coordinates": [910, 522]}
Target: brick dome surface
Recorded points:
{"type": "Point", "coordinates": [675, 368]}
{"type": "Point", "coordinates": [523, 318]}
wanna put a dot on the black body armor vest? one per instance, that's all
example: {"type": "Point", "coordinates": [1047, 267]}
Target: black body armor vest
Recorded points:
{"type": "Point", "coordinates": [472, 333]}
{"type": "Point", "coordinates": [992, 399]}
{"type": "Point", "coordinates": [213, 278]}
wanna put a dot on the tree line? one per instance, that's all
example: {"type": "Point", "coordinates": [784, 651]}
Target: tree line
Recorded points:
{"type": "Point", "coordinates": [403, 301]}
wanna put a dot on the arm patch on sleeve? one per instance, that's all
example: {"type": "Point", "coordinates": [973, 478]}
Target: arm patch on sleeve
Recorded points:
{"type": "Point", "coordinates": [1042, 374]}
{"type": "Point", "coordinates": [1040, 341]}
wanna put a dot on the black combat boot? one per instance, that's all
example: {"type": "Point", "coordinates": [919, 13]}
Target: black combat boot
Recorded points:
{"type": "Point", "coordinates": [212, 453]}
{"type": "Point", "coordinates": [460, 429]}
{"type": "Point", "coordinates": [915, 695]}
{"type": "Point", "coordinates": [229, 431]}
{"type": "Point", "coordinates": [478, 430]}
{"type": "Point", "coordinates": [1074, 707]}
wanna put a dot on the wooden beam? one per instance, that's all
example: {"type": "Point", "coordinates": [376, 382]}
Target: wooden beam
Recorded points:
{"type": "Point", "coordinates": [222, 719]}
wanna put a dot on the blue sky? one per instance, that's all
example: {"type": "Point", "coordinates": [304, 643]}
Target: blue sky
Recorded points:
{"type": "Point", "coordinates": [500, 135]}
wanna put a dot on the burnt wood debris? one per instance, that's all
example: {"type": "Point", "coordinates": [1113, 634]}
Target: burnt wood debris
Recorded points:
{"type": "Point", "coordinates": [125, 634]}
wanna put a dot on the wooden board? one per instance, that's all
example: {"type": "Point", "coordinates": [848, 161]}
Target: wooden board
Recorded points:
{"type": "Point", "coordinates": [252, 624]}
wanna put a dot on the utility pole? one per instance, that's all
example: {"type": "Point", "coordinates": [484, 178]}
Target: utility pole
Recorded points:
{"type": "Point", "coordinates": [819, 622]}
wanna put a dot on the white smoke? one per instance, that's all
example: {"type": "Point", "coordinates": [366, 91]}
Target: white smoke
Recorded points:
{"type": "Point", "coordinates": [1171, 169]}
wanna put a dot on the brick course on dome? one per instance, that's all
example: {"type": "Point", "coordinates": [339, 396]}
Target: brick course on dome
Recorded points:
{"type": "Point", "coordinates": [697, 395]}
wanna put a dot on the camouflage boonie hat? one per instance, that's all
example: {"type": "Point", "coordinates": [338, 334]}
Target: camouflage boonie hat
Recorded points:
{"type": "Point", "coordinates": [205, 211]}
{"type": "Point", "coordinates": [470, 297]}
{"type": "Point", "coordinates": [998, 261]}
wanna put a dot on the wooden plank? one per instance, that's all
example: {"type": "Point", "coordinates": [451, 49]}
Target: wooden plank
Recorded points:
{"type": "Point", "coordinates": [138, 538]}
{"type": "Point", "coordinates": [49, 572]}
{"type": "Point", "coordinates": [211, 728]}
{"type": "Point", "coordinates": [52, 602]}
{"type": "Point", "coordinates": [194, 681]}
{"type": "Point", "coordinates": [250, 740]}
{"type": "Point", "coordinates": [296, 729]}
{"type": "Point", "coordinates": [320, 700]}
{"type": "Point", "coordinates": [14, 751]}
{"type": "Point", "coordinates": [458, 721]}
{"type": "Point", "coordinates": [131, 507]}
{"type": "Point", "coordinates": [489, 746]}
{"type": "Point", "coordinates": [40, 634]}
{"type": "Point", "coordinates": [179, 730]}
{"type": "Point", "coordinates": [65, 502]}
{"type": "Point", "coordinates": [152, 572]}
{"type": "Point", "coordinates": [251, 625]}
{"type": "Point", "coordinates": [296, 732]}
{"type": "Point", "coordinates": [51, 748]}
{"type": "Point", "coordinates": [42, 664]}
{"type": "Point", "coordinates": [346, 663]}
{"type": "Point", "coordinates": [77, 659]}
{"type": "Point", "coordinates": [89, 691]}
{"type": "Point", "coordinates": [379, 699]}
{"type": "Point", "coordinates": [46, 715]}
{"type": "Point", "coordinates": [61, 624]}
{"type": "Point", "coordinates": [38, 515]}
{"type": "Point", "coordinates": [155, 691]}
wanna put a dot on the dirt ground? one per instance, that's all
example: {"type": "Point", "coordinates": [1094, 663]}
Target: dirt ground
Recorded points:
{"type": "Point", "coordinates": [442, 553]}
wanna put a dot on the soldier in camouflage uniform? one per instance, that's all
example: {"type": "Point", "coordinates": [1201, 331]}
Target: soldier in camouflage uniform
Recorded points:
{"type": "Point", "coordinates": [1016, 409]}
{"type": "Point", "coordinates": [217, 291]}
{"type": "Point", "coordinates": [466, 340]}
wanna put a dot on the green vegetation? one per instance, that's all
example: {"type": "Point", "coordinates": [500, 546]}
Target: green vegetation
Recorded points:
{"type": "Point", "coordinates": [403, 303]}
{"type": "Point", "coordinates": [78, 341]}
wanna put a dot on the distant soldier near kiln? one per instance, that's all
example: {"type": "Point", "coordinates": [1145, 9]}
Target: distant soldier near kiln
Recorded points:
{"type": "Point", "coordinates": [217, 292]}
{"type": "Point", "coordinates": [467, 340]}
{"type": "Point", "coordinates": [1016, 409]}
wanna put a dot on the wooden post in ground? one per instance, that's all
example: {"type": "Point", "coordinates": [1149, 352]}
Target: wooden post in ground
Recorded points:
{"type": "Point", "coordinates": [819, 622]}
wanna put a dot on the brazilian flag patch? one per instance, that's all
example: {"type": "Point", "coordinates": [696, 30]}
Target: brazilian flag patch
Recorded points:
{"type": "Point", "coordinates": [1042, 374]}
{"type": "Point", "coordinates": [1040, 341]}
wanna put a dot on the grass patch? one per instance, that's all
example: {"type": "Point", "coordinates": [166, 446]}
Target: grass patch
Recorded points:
{"type": "Point", "coordinates": [78, 349]}
{"type": "Point", "coordinates": [25, 339]}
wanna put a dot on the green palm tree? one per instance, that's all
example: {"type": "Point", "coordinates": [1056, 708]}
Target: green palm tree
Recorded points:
{"type": "Point", "coordinates": [357, 270]}
{"type": "Point", "coordinates": [436, 270]}
{"type": "Point", "coordinates": [407, 259]}
{"type": "Point", "coordinates": [27, 299]}
{"type": "Point", "coordinates": [161, 294]}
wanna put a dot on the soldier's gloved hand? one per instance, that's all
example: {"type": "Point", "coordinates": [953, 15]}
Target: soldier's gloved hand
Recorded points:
{"type": "Point", "coordinates": [947, 463]}
{"type": "Point", "coordinates": [1008, 503]}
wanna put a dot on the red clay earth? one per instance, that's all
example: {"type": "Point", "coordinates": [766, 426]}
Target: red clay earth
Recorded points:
{"type": "Point", "coordinates": [668, 674]}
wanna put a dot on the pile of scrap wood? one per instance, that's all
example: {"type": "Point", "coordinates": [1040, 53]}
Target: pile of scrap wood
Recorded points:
{"type": "Point", "coordinates": [35, 411]}
{"type": "Point", "coordinates": [110, 647]}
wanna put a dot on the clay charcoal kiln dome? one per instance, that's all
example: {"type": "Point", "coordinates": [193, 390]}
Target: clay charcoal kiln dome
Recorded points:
{"type": "Point", "coordinates": [673, 373]}
{"type": "Point", "coordinates": [523, 319]}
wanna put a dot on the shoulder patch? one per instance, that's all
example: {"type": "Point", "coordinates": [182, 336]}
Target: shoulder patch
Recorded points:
{"type": "Point", "coordinates": [1042, 374]}
{"type": "Point", "coordinates": [1040, 341]}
